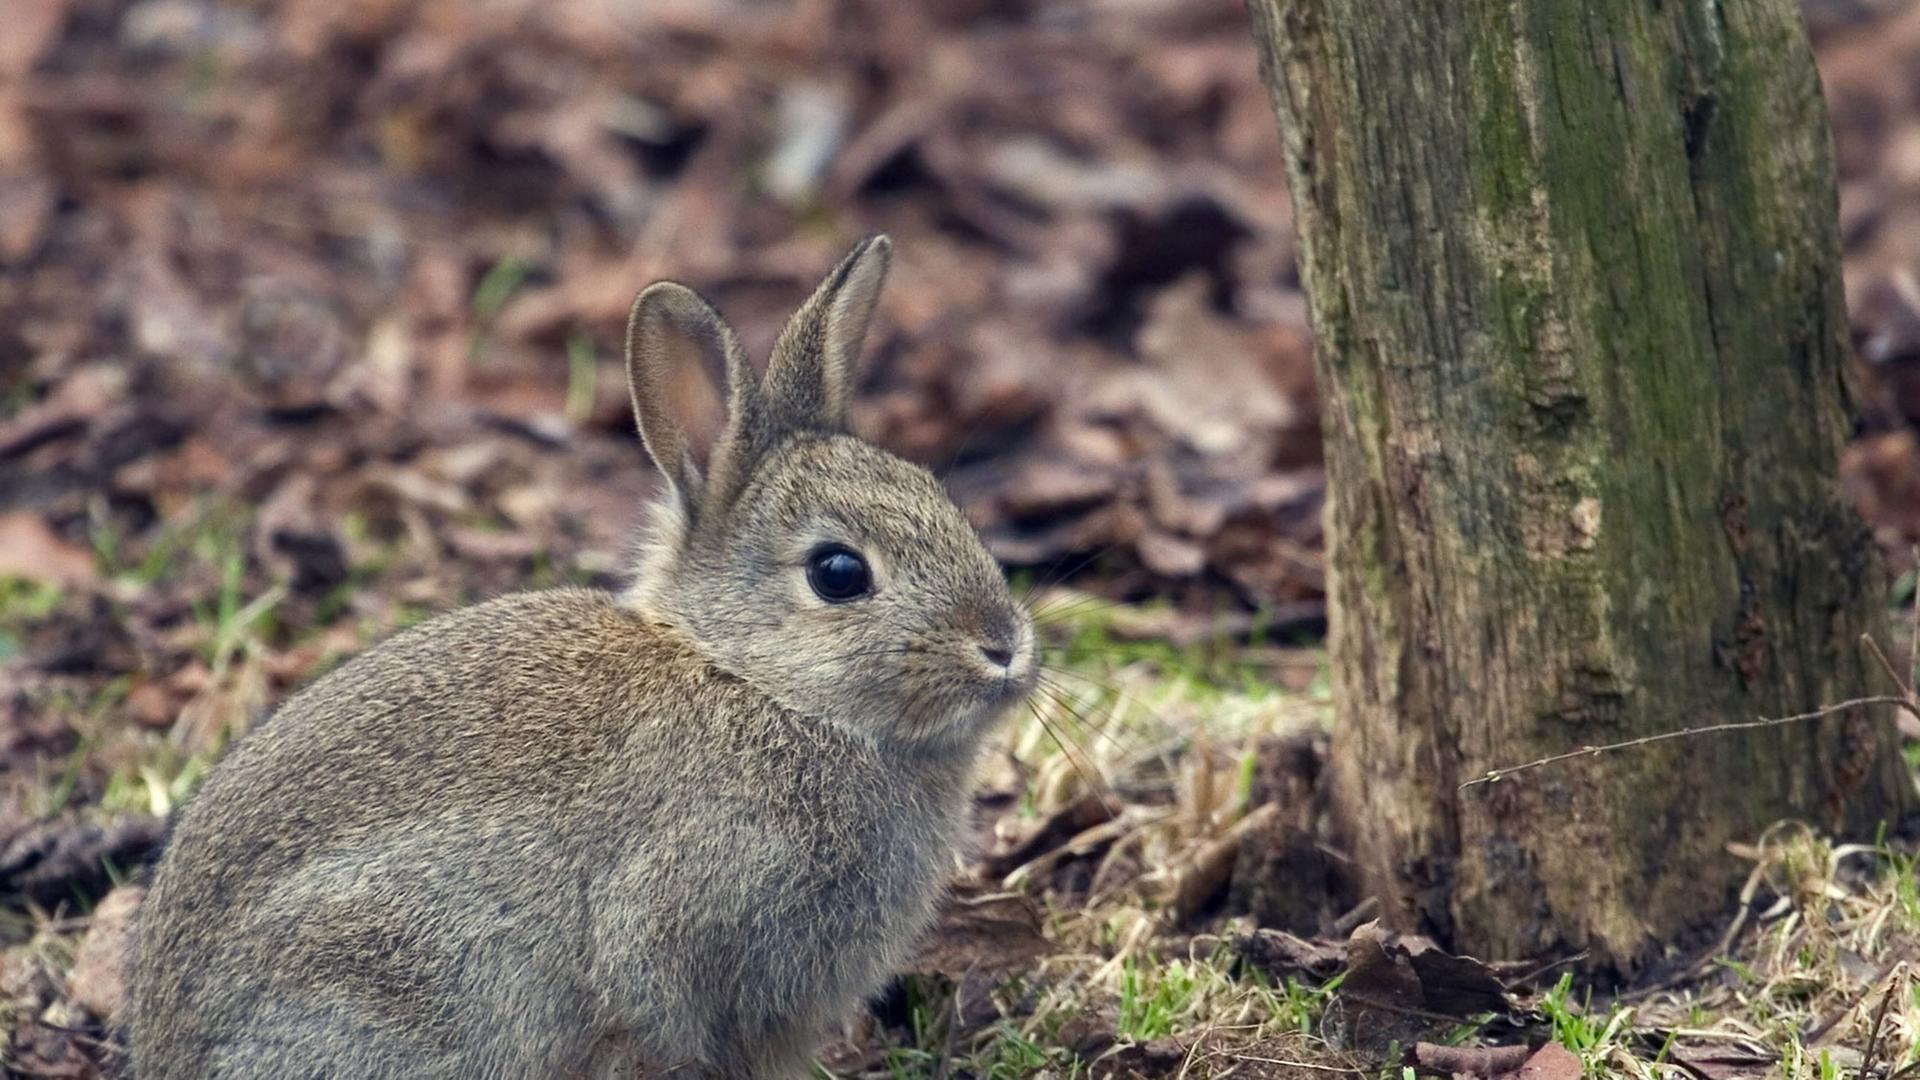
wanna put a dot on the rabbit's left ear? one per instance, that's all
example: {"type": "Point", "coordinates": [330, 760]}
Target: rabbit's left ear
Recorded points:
{"type": "Point", "coordinates": [676, 339]}
{"type": "Point", "coordinates": [809, 381]}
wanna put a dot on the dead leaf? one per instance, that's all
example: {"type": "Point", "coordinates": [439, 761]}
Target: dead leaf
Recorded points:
{"type": "Point", "coordinates": [32, 550]}
{"type": "Point", "coordinates": [1551, 1062]}
{"type": "Point", "coordinates": [1455, 985]}
{"type": "Point", "coordinates": [1281, 954]}
{"type": "Point", "coordinates": [1397, 984]}
{"type": "Point", "coordinates": [98, 982]}
{"type": "Point", "coordinates": [984, 933]}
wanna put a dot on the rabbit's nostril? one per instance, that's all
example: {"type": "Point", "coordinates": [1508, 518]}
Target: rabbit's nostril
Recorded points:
{"type": "Point", "coordinates": [1002, 657]}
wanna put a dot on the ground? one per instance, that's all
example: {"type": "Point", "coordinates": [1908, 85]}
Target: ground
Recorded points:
{"type": "Point", "coordinates": [309, 317]}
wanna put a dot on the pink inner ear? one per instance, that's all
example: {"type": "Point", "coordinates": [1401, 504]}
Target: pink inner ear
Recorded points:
{"type": "Point", "coordinates": [694, 396]}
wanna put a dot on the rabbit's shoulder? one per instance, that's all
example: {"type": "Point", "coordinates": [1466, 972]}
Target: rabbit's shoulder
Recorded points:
{"type": "Point", "coordinates": [562, 664]}
{"type": "Point", "coordinates": [523, 702]}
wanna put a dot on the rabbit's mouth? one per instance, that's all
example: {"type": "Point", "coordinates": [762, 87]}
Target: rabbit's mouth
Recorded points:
{"type": "Point", "coordinates": [1011, 688]}
{"type": "Point", "coordinates": [1007, 672]}
{"type": "Point", "coordinates": [1008, 665]}
{"type": "Point", "coordinates": [976, 687]}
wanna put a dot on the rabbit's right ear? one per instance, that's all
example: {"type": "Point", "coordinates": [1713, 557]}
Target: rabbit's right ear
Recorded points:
{"type": "Point", "coordinates": [670, 330]}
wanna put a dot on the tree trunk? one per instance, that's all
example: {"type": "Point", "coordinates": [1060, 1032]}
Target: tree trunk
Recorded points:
{"type": "Point", "coordinates": [1582, 350]}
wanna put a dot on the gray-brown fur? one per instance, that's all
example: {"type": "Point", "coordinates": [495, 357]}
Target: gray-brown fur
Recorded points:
{"type": "Point", "coordinates": [675, 832]}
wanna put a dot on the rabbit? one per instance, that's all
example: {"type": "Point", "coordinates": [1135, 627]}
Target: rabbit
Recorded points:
{"type": "Point", "coordinates": [676, 830]}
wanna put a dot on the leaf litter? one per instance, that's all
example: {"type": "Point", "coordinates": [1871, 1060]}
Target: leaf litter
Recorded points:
{"type": "Point", "coordinates": [309, 327]}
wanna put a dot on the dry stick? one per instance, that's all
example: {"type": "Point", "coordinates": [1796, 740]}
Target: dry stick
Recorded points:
{"type": "Point", "coordinates": [1873, 1036]}
{"type": "Point", "coordinates": [1910, 702]}
{"type": "Point", "coordinates": [1683, 733]}
{"type": "Point", "coordinates": [1311, 1067]}
{"type": "Point", "coordinates": [1345, 925]}
{"type": "Point", "coordinates": [1913, 630]}
{"type": "Point", "coordinates": [1815, 1035]}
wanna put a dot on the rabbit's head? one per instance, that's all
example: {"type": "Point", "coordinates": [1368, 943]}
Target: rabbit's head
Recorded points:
{"type": "Point", "coordinates": [836, 578]}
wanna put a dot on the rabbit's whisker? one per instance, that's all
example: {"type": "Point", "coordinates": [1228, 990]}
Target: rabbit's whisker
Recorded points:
{"type": "Point", "coordinates": [1080, 711]}
{"type": "Point", "coordinates": [1061, 610]}
{"type": "Point", "coordinates": [1089, 776]}
{"type": "Point", "coordinates": [1063, 569]}
{"type": "Point", "coordinates": [1049, 672]}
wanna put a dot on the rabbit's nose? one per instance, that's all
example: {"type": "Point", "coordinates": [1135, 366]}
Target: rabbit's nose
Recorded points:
{"type": "Point", "coordinates": [997, 655]}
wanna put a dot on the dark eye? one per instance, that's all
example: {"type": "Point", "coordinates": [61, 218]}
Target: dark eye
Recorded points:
{"type": "Point", "coordinates": [838, 574]}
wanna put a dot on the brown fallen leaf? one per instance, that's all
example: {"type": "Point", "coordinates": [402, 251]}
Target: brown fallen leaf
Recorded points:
{"type": "Point", "coordinates": [1551, 1062]}
{"type": "Point", "coordinates": [30, 549]}
{"type": "Point", "coordinates": [1281, 954]}
{"type": "Point", "coordinates": [1397, 984]}
{"type": "Point", "coordinates": [1411, 970]}
{"type": "Point", "coordinates": [98, 982]}
{"type": "Point", "coordinates": [983, 933]}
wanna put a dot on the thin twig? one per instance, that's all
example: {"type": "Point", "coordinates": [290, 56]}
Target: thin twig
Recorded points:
{"type": "Point", "coordinates": [1684, 733]}
{"type": "Point", "coordinates": [1814, 1035]}
{"type": "Point", "coordinates": [1527, 977]}
{"type": "Point", "coordinates": [1908, 701]}
{"type": "Point", "coordinates": [1913, 630]}
{"type": "Point", "coordinates": [1308, 1065]}
{"type": "Point", "coordinates": [1873, 1036]}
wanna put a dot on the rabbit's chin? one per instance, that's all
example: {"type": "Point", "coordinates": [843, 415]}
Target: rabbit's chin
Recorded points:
{"type": "Point", "coordinates": [961, 728]}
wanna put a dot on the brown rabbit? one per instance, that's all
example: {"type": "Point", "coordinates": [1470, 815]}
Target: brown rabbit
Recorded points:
{"type": "Point", "coordinates": [678, 831]}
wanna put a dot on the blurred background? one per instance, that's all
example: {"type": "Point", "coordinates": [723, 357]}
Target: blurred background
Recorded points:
{"type": "Point", "coordinates": [363, 266]}
{"type": "Point", "coordinates": [310, 315]}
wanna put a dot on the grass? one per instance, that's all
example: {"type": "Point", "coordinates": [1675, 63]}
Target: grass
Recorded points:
{"type": "Point", "coordinates": [1592, 1038]}
{"type": "Point", "coordinates": [233, 626]}
{"type": "Point", "coordinates": [22, 603]}
{"type": "Point", "coordinates": [582, 373]}
{"type": "Point", "coordinates": [496, 286]}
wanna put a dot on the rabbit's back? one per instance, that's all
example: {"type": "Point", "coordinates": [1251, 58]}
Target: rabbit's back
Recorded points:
{"type": "Point", "coordinates": [401, 832]}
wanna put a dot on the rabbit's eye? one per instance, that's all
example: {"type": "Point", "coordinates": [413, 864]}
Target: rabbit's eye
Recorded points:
{"type": "Point", "coordinates": [837, 574]}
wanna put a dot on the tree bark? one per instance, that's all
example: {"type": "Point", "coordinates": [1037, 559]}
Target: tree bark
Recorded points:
{"type": "Point", "coordinates": [1582, 351]}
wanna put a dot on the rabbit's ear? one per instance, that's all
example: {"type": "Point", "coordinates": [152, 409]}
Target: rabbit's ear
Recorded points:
{"type": "Point", "coordinates": [676, 345]}
{"type": "Point", "coordinates": [810, 377]}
